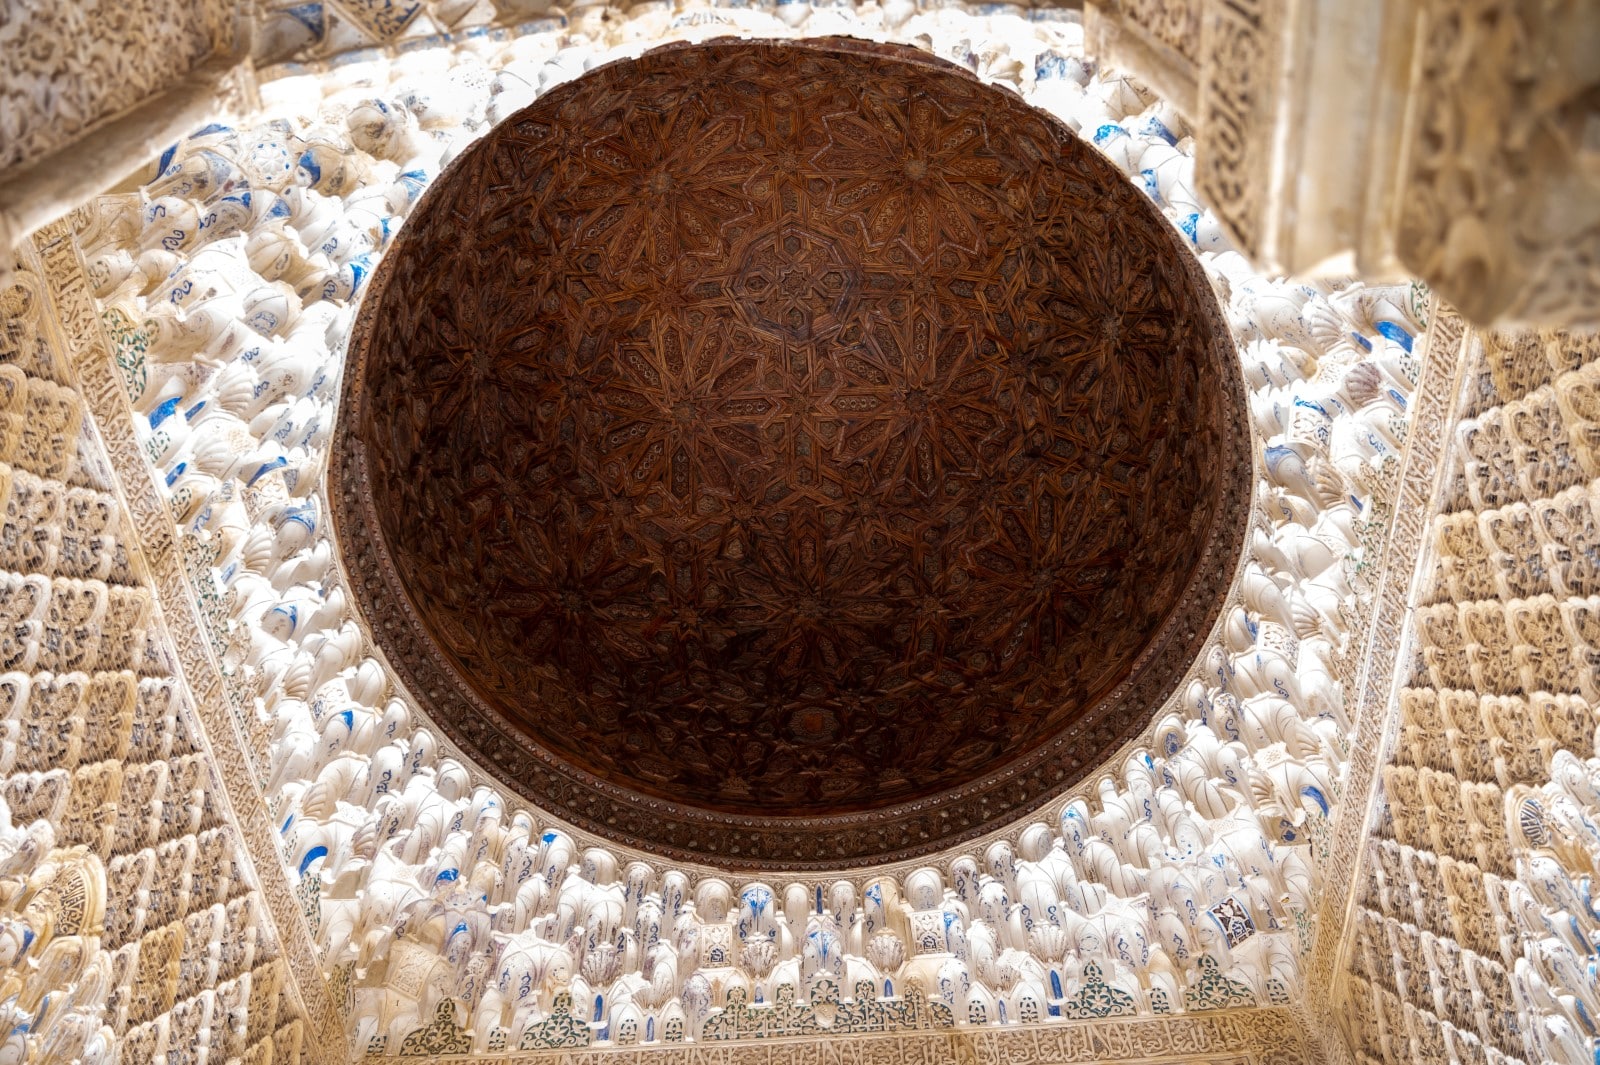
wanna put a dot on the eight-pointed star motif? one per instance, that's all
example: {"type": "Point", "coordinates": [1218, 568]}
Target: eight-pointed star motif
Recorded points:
{"type": "Point", "coordinates": [916, 170]}
{"type": "Point", "coordinates": [683, 409]}
{"type": "Point", "coordinates": [938, 427]}
{"type": "Point", "coordinates": [797, 282]}
{"type": "Point", "coordinates": [663, 186]}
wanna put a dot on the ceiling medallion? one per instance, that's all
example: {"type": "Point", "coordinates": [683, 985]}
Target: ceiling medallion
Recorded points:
{"type": "Point", "coordinates": [789, 455]}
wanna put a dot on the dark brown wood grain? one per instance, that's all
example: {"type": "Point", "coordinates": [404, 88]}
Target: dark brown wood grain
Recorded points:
{"type": "Point", "coordinates": [757, 443]}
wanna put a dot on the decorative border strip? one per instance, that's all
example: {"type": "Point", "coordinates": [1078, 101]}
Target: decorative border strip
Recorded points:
{"type": "Point", "coordinates": [1434, 411]}
{"type": "Point", "coordinates": [196, 670]}
{"type": "Point", "coordinates": [1264, 1036]}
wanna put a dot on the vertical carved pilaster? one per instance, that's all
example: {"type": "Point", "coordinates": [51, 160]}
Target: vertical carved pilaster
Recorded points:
{"type": "Point", "coordinates": [96, 379]}
{"type": "Point", "coordinates": [1374, 699]}
{"type": "Point", "coordinates": [1239, 58]}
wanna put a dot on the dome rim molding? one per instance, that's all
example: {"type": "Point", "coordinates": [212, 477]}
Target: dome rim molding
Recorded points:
{"type": "Point", "coordinates": [739, 843]}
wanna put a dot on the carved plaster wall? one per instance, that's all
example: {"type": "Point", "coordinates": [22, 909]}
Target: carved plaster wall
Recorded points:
{"type": "Point", "coordinates": [1477, 932]}
{"type": "Point", "coordinates": [308, 29]}
{"type": "Point", "coordinates": [420, 911]}
{"type": "Point", "coordinates": [1444, 138]}
{"type": "Point", "coordinates": [65, 66]}
{"type": "Point", "coordinates": [130, 922]}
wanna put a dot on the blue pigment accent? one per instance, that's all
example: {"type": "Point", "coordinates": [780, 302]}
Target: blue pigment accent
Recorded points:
{"type": "Point", "coordinates": [164, 411]}
{"type": "Point", "coordinates": [1159, 128]}
{"type": "Point", "coordinates": [1315, 795]}
{"type": "Point", "coordinates": [265, 468]}
{"type": "Point", "coordinates": [1151, 188]}
{"type": "Point", "coordinates": [1049, 65]}
{"type": "Point", "coordinates": [309, 16]}
{"type": "Point", "coordinates": [1393, 332]}
{"type": "Point", "coordinates": [359, 268]}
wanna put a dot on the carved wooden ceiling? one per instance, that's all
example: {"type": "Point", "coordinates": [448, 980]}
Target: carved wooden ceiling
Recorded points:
{"type": "Point", "coordinates": [789, 454]}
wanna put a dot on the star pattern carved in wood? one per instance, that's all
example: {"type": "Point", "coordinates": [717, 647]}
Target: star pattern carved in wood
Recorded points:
{"type": "Point", "coordinates": [764, 429]}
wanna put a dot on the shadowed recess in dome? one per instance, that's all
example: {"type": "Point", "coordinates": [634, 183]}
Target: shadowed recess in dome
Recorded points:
{"type": "Point", "coordinates": [788, 454]}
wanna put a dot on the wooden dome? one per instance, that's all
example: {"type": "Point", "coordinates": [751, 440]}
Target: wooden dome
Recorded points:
{"type": "Point", "coordinates": [789, 455]}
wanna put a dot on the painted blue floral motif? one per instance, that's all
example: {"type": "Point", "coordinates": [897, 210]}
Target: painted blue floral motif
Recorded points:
{"type": "Point", "coordinates": [380, 20]}
{"type": "Point", "coordinates": [866, 1012]}
{"type": "Point", "coordinates": [1097, 999]}
{"type": "Point", "coordinates": [561, 1030]}
{"type": "Point", "coordinates": [1214, 991]}
{"type": "Point", "coordinates": [442, 1036]}
{"type": "Point", "coordinates": [1234, 920]}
